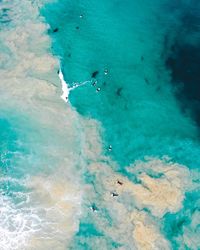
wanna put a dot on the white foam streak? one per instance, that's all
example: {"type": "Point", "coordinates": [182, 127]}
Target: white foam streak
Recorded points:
{"type": "Point", "coordinates": [66, 90]}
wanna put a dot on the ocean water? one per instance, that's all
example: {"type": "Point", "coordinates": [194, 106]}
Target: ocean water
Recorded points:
{"type": "Point", "coordinates": [115, 165]}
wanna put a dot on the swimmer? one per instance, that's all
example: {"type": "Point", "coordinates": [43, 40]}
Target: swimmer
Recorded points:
{"type": "Point", "coordinates": [94, 83]}
{"type": "Point", "coordinates": [55, 30]}
{"type": "Point", "coordinates": [119, 182]}
{"type": "Point", "coordinates": [95, 73]}
{"type": "Point", "coordinates": [114, 194]}
{"type": "Point", "coordinates": [94, 208]}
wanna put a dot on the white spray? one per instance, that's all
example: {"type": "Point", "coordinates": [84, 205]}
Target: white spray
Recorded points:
{"type": "Point", "coordinates": [66, 90]}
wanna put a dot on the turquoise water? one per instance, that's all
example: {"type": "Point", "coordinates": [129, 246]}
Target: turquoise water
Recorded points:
{"type": "Point", "coordinates": [123, 47]}
{"type": "Point", "coordinates": [117, 167]}
{"type": "Point", "coordinates": [136, 103]}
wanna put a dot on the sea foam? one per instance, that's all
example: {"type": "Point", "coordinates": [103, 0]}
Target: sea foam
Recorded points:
{"type": "Point", "coordinates": [66, 89]}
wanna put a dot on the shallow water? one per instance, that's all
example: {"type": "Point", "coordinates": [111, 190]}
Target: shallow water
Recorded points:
{"type": "Point", "coordinates": [116, 166]}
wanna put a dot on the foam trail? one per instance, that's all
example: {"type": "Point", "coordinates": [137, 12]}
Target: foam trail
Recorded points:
{"type": "Point", "coordinates": [66, 90]}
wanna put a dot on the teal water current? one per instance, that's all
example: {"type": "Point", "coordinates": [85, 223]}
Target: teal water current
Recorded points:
{"type": "Point", "coordinates": [117, 166]}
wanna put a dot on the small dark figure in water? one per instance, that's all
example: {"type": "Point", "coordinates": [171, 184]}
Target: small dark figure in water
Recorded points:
{"type": "Point", "coordinates": [55, 30]}
{"type": "Point", "coordinates": [69, 55]}
{"type": "Point", "coordinates": [94, 208]}
{"type": "Point", "coordinates": [95, 73]}
{"type": "Point", "coordinates": [94, 83]}
{"type": "Point", "coordinates": [98, 89]}
{"type": "Point", "coordinates": [58, 71]}
{"type": "Point", "coordinates": [114, 194]}
{"type": "Point", "coordinates": [110, 148]}
{"type": "Point", "coordinates": [146, 80]}
{"type": "Point", "coordinates": [77, 27]}
{"type": "Point", "coordinates": [118, 92]}
{"type": "Point", "coordinates": [119, 182]}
